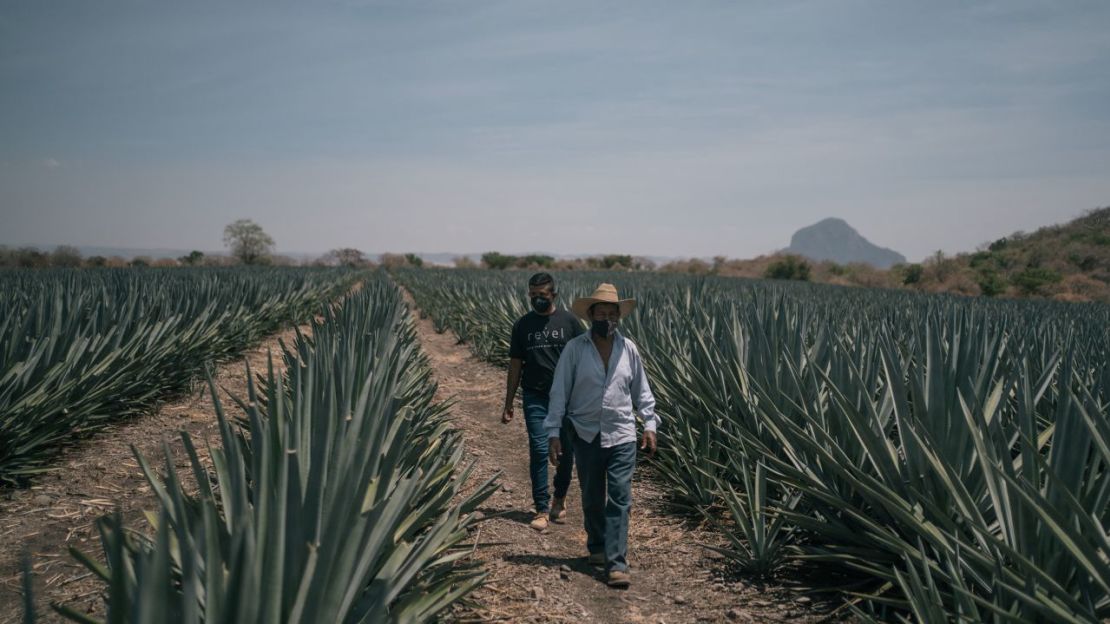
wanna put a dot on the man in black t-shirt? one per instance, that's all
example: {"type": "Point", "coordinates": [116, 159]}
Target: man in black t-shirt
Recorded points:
{"type": "Point", "coordinates": [537, 340]}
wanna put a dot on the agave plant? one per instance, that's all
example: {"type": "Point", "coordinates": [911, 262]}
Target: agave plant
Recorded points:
{"type": "Point", "coordinates": [79, 349]}
{"type": "Point", "coordinates": [342, 498]}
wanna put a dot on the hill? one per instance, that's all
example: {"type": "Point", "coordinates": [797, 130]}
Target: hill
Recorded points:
{"type": "Point", "coordinates": [834, 240]}
{"type": "Point", "coordinates": [1065, 262]}
{"type": "Point", "coordinates": [1069, 262]}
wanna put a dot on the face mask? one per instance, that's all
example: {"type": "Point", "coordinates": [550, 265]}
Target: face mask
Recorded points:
{"type": "Point", "coordinates": [603, 329]}
{"type": "Point", "coordinates": [541, 304]}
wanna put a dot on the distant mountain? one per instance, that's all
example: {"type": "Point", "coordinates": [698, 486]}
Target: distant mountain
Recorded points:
{"type": "Point", "coordinates": [833, 239]}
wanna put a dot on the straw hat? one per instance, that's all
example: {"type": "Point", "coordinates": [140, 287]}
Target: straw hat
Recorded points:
{"type": "Point", "coordinates": [605, 293]}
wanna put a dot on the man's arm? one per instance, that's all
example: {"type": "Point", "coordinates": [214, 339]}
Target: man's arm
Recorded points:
{"type": "Point", "coordinates": [516, 364]}
{"type": "Point", "coordinates": [644, 402]}
{"type": "Point", "coordinates": [511, 384]}
{"type": "Point", "coordinates": [561, 383]}
{"type": "Point", "coordinates": [561, 386]}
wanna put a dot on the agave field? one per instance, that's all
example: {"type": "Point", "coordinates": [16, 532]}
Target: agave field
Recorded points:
{"type": "Point", "coordinates": [950, 456]}
{"type": "Point", "coordinates": [79, 349]}
{"type": "Point", "coordinates": [339, 495]}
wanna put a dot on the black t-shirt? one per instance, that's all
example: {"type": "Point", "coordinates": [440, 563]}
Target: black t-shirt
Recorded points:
{"type": "Point", "coordinates": [538, 340]}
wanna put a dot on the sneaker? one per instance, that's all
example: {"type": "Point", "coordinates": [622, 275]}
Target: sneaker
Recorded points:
{"type": "Point", "coordinates": [558, 513]}
{"type": "Point", "coordinates": [619, 579]}
{"type": "Point", "coordinates": [596, 559]}
{"type": "Point", "coordinates": [539, 523]}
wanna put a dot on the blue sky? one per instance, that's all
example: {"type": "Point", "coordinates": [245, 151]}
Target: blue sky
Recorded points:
{"type": "Point", "coordinates": [654, 128]}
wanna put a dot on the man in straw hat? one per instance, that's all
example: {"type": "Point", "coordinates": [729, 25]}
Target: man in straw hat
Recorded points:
{"type": "Point", "coordinates": [598, 382]}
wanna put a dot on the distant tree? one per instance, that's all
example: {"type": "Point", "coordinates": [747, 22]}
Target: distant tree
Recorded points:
{"type": "Point", "coordinates": [393, 261]}
{"type": "Point", "coordinates": [535, 261]}
{"type": "Point", "coordinates": [65, 256]}
{"type": "Point", "coordinates": [789, 268]}
{"type": "Point", "coordinates": [941, 266]}
{"type": "Point", "coordinates": [31, 258]}
{"type": "Point", "coordinates": [980, 258]}
{"type": "Point", "coordinates": [96, 261]}
{"type": "Point", "coordinates": [912, 274]}
{"type": "Point", "coordinates": [195, 258]}
{"type": "Point", "coordinates": [613, 261]}
{"type": "Point", "coordinates": [1083, 262]}
{"type": "Point", "coordinates": [140, 261]}
{"type": "Point", "coordinates": [248, 242]}
{"type": "Point", "coordinates": [464, 262]}
{"type": "Point", "coordinates": [414, 260]}
{"type": "Point", "coordinates": [1033, 280]}
{"type": "Point", "coordinates": [498, 261]}
{"type": "Point", "coordinates": [991, 284]}
{"type": "Point", "coordinates": [347, 257]}
{"type": "Point", "coordinates": [693, 266]}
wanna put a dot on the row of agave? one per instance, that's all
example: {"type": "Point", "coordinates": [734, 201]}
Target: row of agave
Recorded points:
{"type": "Point", "coordinates": [952, 455]}
{"type": "Point", "coordinates": [339, 495]}
{"type": "Point", "coordinates": [80, 348]}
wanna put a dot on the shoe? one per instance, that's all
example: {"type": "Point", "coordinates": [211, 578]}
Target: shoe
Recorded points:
{"type": "Point", "coordinates": [539, 523]}
{"type": "Point", "coordinates": [558, 513]}
{"type": "Point", "coordinates": [596, 559]}
{"type": "Point", "coordinates": [619, 579]}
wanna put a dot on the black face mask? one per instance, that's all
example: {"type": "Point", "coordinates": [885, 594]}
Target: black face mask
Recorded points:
{"type": "Point", "coordinates": [541, 304]}
{"type": "Point", "coordinates": [603, 329]}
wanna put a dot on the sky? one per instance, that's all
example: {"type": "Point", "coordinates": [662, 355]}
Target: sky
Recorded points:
{"type": "Point", "coordinates": [648, 127]}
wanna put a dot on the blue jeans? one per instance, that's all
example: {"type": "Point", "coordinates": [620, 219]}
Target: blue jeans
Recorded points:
{"type": "Point", "coordinates": [535, 412]}
{"type": "Point", "coordinates": [606, 478]}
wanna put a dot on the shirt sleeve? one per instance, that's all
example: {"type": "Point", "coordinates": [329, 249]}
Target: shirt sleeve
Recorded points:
{"type": "Point", "coordinates": [642, 398]}
{"type": "Point", "coordinates": [561, 385]}
{"type": "Point", "coordinates": [516, 345]}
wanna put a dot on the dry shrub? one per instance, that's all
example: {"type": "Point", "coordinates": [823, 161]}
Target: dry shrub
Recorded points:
{"type": "Point", "coordinates": [1079, 287]}
{"type": "Point", "coordinates": [693, 266]}
{"type": "Point", "coordinates": [956, 282]}
{"type": "Point", "coordinates": [753, 268]}
{"type": "Point", "coordinates": [963, 284]}
{"type": "Point", "coordinates": [858, 274]}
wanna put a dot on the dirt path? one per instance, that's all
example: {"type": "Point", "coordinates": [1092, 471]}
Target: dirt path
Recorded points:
{"type": "Point", "coordinates": [93, 478]}
{"type": "Point", "coordinates": [544, 577]}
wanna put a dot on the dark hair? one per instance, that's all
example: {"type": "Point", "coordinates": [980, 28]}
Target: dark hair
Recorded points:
{"type": "Point", "coordinates": [541, 279]}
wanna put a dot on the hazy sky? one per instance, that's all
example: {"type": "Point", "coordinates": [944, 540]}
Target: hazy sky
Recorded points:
{"type": "Point", "coordinates": [644, 127]}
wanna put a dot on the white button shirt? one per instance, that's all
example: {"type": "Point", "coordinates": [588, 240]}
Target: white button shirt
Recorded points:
{"type": "Point", "coordinates": [600, 402]}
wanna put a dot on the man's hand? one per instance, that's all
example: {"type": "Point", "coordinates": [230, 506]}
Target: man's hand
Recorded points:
{"type": "Point", "coordinates": [507, 415]}
{"type": "Point", "coordinates": [649, 443]}
{"type": "Point", "coordinates": [554, 450]}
